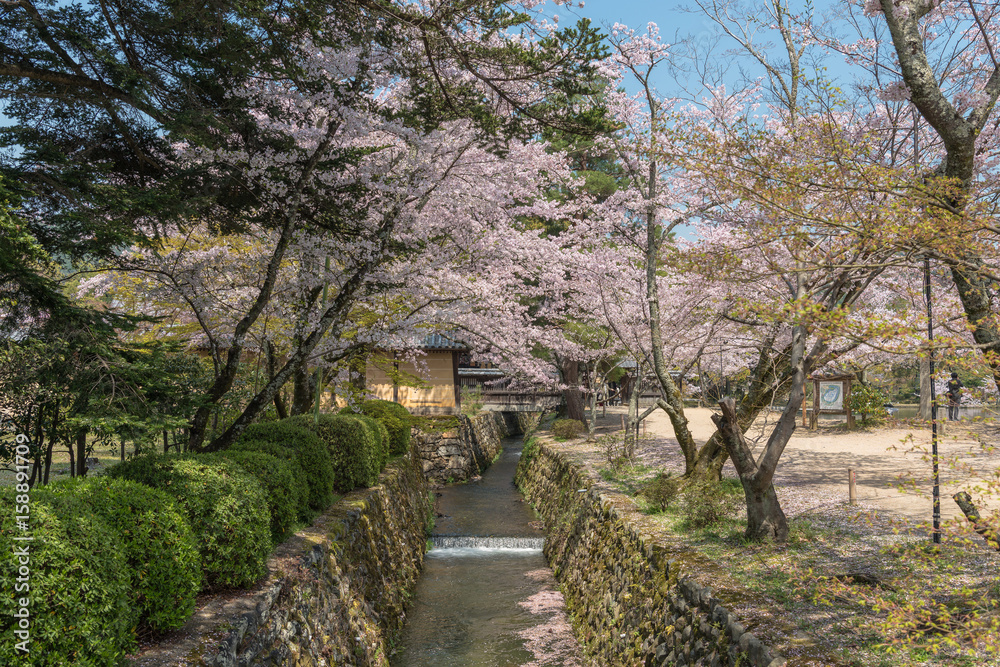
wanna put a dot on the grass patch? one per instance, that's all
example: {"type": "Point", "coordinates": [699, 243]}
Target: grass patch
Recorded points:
{"type": "Point", "coordinates": [434, 423]}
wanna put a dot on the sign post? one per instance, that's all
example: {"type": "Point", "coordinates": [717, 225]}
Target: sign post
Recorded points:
{"type": "Point", "coordinates": [832, 395]}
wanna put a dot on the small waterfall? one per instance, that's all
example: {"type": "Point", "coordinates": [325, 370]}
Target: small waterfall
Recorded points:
{"type": "Point", "coordinates": [477, 542]}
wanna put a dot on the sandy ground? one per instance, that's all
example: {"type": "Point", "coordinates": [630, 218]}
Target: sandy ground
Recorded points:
{"type": "Point", "coordinates": [814, 466]}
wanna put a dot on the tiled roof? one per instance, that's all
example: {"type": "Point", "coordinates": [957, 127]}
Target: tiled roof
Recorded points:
{"type": "Point", "coordinates": [441, 342]}
{"type": "Point", "coordinates": [476, 372]}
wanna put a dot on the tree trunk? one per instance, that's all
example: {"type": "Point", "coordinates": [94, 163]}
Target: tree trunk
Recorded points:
{"type": "Point", "coordinates": [47, 464]}
{"type": "Point", "coordinates": [279, 404]}
{"type": "Point", "coordinates": [959, 130]}
{"type": "Point", "coordinates": [702, 389]}
{"type": "Point", "coordinates": [36, 468]}
{"type": "Point", "coordinates": [572, 394]}
{"type": "Point", "coordinates": [964, 501]}
{"type": "Point", "coordinates": [81, 451]}
{"type": "Point", "coordinates": [925, 388]}
{"type": "Point", "coordinates": [633, 414]}
{"type": "Point", "coordinates": [592, 425]}
{"type": "Point", "coordinates": [765, 518]}
{"type": "Point", "coordinates": [51, 444]}
{"type": "Point", "coordinates": [772, 370]}
{"type": "Point", "coordinates": [303, 391]}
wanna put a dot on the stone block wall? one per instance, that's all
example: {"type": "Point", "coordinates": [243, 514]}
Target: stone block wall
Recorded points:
{"type": "Point", "coordinates": [337, 590]}
{"type": "Point", "coordinates": [631, 600]}
{"type": "Point", "coordinates": [464, 447]}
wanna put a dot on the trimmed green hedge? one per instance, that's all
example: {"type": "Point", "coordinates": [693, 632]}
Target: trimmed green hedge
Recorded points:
{"type": "Point", "coordinates": [308, 454]}
{"type": "Point", "coordinates": [381, 438]}
{"type": "Point", "coordinates": [226, 506]}
{"type": "Point", "coordinates": [76, 578]}
{"type": "Point", "coordinates": [159, 546]}
{"type": "Point", "coordinates": [396, 419]}
{"type": "Point", "coordinates": [284, 496]}
{"type": "Point", "coordinates": [355, 453]}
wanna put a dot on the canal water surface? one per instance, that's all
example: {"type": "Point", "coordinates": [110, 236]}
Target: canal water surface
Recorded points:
{"type": "Point", "coordinates": [486, 597]}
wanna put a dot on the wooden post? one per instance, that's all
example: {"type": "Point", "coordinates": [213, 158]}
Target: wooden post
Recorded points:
{"type": "Point", "coordinates": [847, 402]}
{"type": "Point", "coordinates": [852, 491]}
{"type": "Point", "coordinates": [814, 422]}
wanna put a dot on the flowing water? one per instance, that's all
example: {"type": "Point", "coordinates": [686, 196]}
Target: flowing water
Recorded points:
{"type": "Point", "coordinates": [485, 597]}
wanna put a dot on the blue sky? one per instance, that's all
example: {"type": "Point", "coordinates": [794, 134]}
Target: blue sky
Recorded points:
{"type": "Point", "coordinates": [676, 24]}
{"type": "Point", "coordinates": [636, 14]}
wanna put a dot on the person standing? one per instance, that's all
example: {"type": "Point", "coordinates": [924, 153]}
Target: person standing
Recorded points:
{"type": "Point", "coordinates": [954, 395]}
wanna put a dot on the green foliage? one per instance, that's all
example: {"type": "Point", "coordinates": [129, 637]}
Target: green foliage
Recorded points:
{"type": "Point", "coordinates": [661, 491]}
{"type": "Point", "coordinates": [383, 433]}
{"type": "Point", "coordinates": [355, 456]}
{"type": "Point", "coordinates": [161, 554]}
{"type": "Point", "coordinates": [567, 429]}
{"type": "Point", "coordinates": [396, 419]}
{"type": "Point", "coordinates": [27, 290]}
{"type": "Point", "coordinates": [79, 585]}
{"type": "Point", "coordinates": [80, 378]}
{"type": "Point", "coordinates": [471, 401]}
{"type": "Point", "coordinates": [868, 403]}
{"type": "Point", "coordinates": [529, 451]}
{"type": "Point", "coordinates": [706, 502]}
{"type": "Point", "coordinates": [380, 436]}
{"type": "Point", "coordinates": [227, 509]}
{"type": "Point", "coordinates": [312, 470]}
{"type": "Point", "coordinates": [285, 495]}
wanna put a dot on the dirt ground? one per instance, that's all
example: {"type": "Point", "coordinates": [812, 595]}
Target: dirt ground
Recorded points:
{"type": "Point", "coordinates": [813, 470]}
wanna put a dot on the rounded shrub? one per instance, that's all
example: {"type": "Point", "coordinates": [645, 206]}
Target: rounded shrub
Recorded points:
{"type": "Point", "coordinates": [354, 454]}
{"type": "Point", "coordinates": [226, 507]}
{"type": "Point", "coordinates": [309, 455]}
{"type": "Point", "coordinates": [868, 403]}
{"type": "Point", "coordinates": [661, 491]}
{"type": "Point", "coordinates": [284, 496]}
{"type": "Point", "coordinates": [396, 419]}
{"type": "Point", "coordinates": [74, 577]}
{"type": "Point", "coordinates": [159, 547]}
{"type": "Point", "coordinates": [567, 429]}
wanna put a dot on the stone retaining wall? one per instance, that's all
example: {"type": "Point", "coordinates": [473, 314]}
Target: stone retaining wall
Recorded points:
{"type": "Point", "coordinates": [337, 590]}
{"type": "Point", "coordinates": [465, 447]}
{"type": "Point", "coordinates": [631, 602]}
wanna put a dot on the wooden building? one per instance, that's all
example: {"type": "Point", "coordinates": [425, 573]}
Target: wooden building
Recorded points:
{"type": "Point", "coordinates": [441, 391]}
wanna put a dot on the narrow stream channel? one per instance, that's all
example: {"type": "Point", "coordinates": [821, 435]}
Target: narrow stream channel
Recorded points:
{"type": "Point", "coordinates": [486, 597]}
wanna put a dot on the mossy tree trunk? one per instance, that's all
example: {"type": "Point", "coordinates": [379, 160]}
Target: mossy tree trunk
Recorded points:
{"type": "Point", "coordinates": [765, 519]}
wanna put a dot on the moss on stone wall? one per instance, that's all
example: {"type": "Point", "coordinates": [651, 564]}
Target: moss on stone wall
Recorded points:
{"type": "Point", "coordinates": [633, 602]}
{"type": "Point", "coordinates": [459, 449]}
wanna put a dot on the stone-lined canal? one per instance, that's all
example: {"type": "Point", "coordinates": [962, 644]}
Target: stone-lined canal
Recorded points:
{"type": "Point", "coordinates": [486, 597]}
